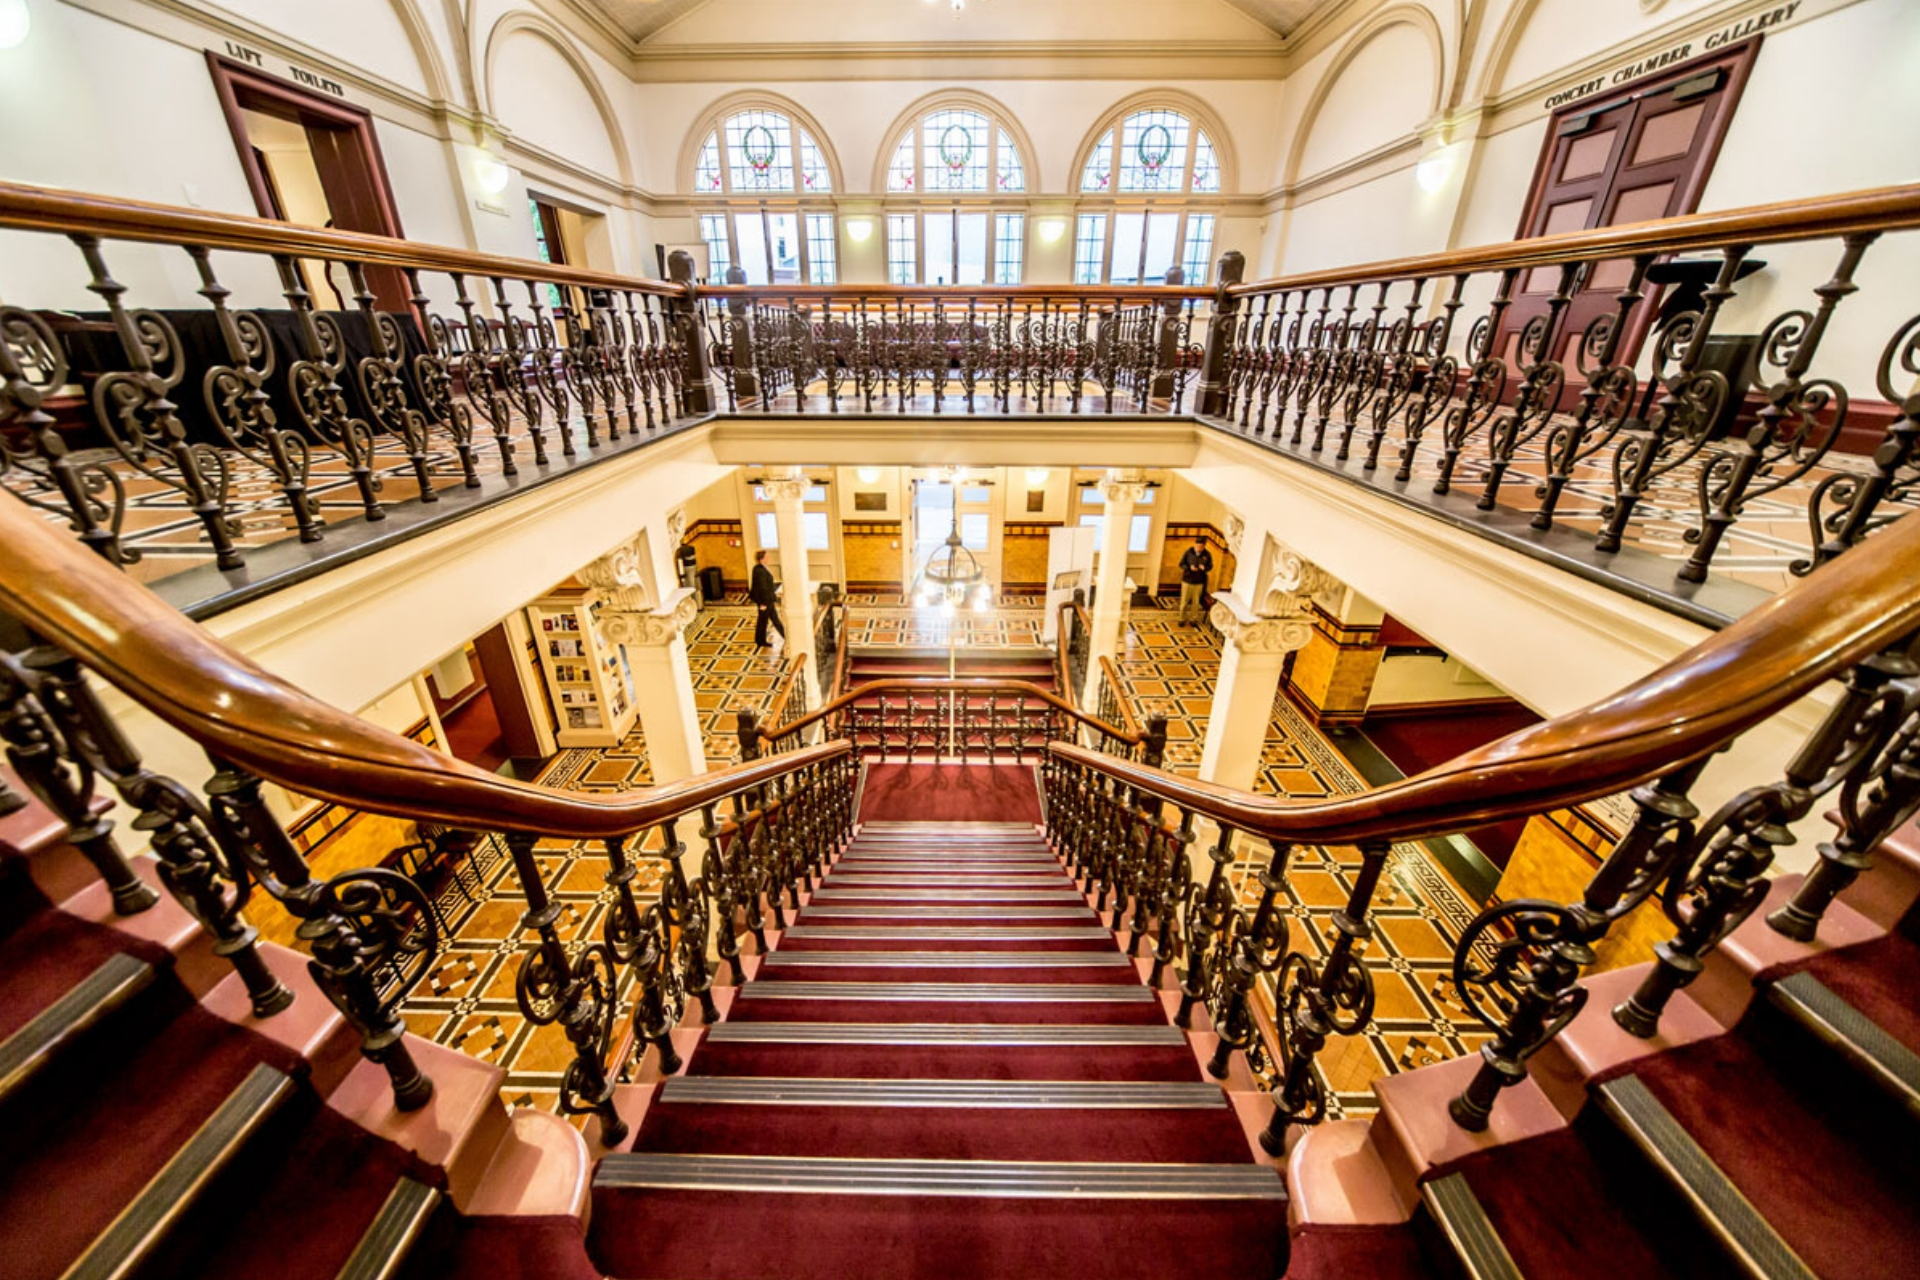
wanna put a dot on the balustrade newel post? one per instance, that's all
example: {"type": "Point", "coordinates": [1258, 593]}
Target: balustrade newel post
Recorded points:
{"type": "Point", "coordinates": [683, 318]}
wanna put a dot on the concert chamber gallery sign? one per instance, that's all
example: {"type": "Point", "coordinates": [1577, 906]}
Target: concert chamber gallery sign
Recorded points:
{"type": "Point", "coordinates": [1766, 20]}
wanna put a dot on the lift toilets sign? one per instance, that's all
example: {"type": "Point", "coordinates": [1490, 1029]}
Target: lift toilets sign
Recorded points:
{"type": "Point", "coordinates": [1765, 20]}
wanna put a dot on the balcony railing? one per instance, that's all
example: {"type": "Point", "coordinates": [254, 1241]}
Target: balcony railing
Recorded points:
{"type": "Point", "coordinates": [1598, 397]}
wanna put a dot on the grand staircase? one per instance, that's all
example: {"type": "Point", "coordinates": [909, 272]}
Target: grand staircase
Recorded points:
{"type": "Point", "coordinates": [945, 1067]}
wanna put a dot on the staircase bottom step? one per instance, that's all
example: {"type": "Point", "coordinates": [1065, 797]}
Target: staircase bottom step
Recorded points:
{"type": "Point", "coordinates": [810, 1235]}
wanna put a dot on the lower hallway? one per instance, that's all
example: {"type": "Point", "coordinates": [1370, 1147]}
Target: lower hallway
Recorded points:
{"type": "Point", "coordinates": [468, 1001]}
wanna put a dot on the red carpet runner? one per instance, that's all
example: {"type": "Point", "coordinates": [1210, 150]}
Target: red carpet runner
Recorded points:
{"type": "Point", "coordinates": [945, 1068]}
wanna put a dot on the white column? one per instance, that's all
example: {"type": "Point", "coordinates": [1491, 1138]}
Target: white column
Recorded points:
{"type": "Point", "coordinates": [649, 634]}
{"type": "Point", "coordinates": [1256, 651]}
{"type": "Point", "coordinates": [1121, 488]}
{"type": "Point", "coordinates": [789, 493]}
{"type": "Point", "coordinates": [663, 684]}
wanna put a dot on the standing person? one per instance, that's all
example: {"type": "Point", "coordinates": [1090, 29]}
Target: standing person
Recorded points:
{"type": "Point", "coordinates": [766, 595]}
{"type": "Point", "coordinates": [1194, 568]}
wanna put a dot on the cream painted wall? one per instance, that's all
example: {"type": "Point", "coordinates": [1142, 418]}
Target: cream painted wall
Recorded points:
{"type": "Point", "coordinates": [782, 21]}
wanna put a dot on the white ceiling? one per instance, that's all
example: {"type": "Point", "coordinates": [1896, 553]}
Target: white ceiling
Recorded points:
{"type": "Point", "coordinates": [643, 19]}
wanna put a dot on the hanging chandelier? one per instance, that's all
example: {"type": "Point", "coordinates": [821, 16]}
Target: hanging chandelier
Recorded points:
{"type": "Point", "coordinates": [953, 575]}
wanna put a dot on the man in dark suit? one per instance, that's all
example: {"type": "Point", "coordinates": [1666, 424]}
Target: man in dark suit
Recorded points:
{"type": "Point", "coordinates": [766, 595]}
{"type": "Point", "coordinates": [1194, 568]}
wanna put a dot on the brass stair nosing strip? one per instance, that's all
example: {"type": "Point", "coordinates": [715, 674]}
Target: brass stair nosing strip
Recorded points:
{"type": "Point", "coordinates": [114, 982]}
{"type": "Point", "coordinates": [1006, 1179]}
{"type": "Point", "coordinates": [1031, 1095]}
{"type": "Point", "coordinates": [1825, 1013]}
{"type": "Point", "coordinates": [1477, 1247]}
{"type": "Point", "coordinates": [919, 933]}
{"type": "Point", "coordinates": [384, 1247]}
{"type": "Point", "coordinates": [948, 959]}
{"type": "Point", "coordinates": [1067, 911]}
{"type": "Point", "coordinates": [119, 1251]}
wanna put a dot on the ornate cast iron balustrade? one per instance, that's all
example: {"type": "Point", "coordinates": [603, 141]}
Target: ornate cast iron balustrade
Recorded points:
{"type": "Point", "coordinates": [768, 830]}
{"type": "Point", "coordinates": [957, 721]}
{"type": "Point", "coordinates": [1129, 832]}
{"type": "Point", "coordinates": [939, 350]}
{"type": "Point", "coordinates": [243, 413]}
{"type": "Point", "coordinates": [1592, 381]}
{"type": "Point", "coordinates": [1588, 382]}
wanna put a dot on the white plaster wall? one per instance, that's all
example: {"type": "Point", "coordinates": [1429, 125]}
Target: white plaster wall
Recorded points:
{"type": "Point", "coordinates": [358, 33]}
{"type": "Point", "coordinates": [782, 21]}
{"type": "Point", "coordinates": [539, 95]}
{"type": "Point", "coordinates": [1386, 92]}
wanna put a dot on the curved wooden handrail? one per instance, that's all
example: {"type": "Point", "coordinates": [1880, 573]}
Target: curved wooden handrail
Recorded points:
{"type": "Point", "coordinates": [1721, 687]}
{"type": "Point", "coordinates": [1851, 213]}
{"type": "Point", "coordinates": [783, 693]}
{"type": "Point", "coordinates": [973, 684]}
{"type": "Point", "coordinates": [244, 713]}
{"type": "Point", "coordinates": [31, 208]}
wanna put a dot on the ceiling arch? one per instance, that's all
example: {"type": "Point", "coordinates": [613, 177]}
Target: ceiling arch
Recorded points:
{"type": "Point", "coordinates": [543, 28]}
{"type": "Point", "coordinates": [1410, 15]}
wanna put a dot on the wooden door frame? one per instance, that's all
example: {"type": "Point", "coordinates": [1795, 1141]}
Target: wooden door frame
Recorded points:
{"type": "Point", "coordinates": [232, 78]}
{"type": "Point", "coordinates": [1744, 52]}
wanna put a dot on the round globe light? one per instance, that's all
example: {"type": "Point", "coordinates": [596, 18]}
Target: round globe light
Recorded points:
{"type": "Point", "coordinates": [16, 21]}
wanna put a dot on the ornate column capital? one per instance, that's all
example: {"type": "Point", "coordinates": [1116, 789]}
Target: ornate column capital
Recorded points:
{"type": "Point", "coordinates": [655, 627]}
{"type": "Point", "coordinates": [1295, 580]}
{"type": "Point", "coordinates": [620, 569]}
{"type": "Point", "coordinates": [1123, 484]}
{"type": "Point", "coordinates": [1257, 633]}
{"type": "Point", "coordinates": [786, 484]}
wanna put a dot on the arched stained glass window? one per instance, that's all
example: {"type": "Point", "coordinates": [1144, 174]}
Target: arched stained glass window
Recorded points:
{"type": "Point", "coordinates": [1160, 150]}
{"type": "Point", "coordinates": [956, 151]}
{"type": "Point", "coordinates": [761, 151]}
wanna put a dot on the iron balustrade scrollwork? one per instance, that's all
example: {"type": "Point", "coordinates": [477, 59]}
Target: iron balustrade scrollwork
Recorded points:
{"type": "Point", "coordinates": [1536, 393]}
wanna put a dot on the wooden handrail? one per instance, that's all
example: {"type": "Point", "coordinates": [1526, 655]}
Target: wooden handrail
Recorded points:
{"type": "Point", "coordinates": [974, 684]}
{"type": "Point", "coordinates": [31, 208]}
{"type": "Point", "coordinates": [1770, 658]}
{"type": "Point", "coordinates": [1851, 213]}
{"type": "Point", "coordinates": [245, 714]}
{"type": "Point", "coordinates": [783, 693]}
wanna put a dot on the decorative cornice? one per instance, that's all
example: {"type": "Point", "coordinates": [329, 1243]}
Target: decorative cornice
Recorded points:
{"type": "Point", "coordinates": [618, 570]}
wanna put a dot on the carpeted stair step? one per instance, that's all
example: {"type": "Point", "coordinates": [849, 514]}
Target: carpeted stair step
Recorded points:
{"type": "Point", "coordinates": [100, 1152]}
{"type": "Point", "coordinates": [1685, 1165]}
{"type": "Point", "coordinates": [821, 1219]}
{"type": "Point", "coordinates": [798, 970]}
{"type": "Point", "coordinates": [961, 1132]}
{"type": "Point", "coordinates": [1574, 1204]}
{"type": "Point", "coordinates": [1869, 1049]}
{"type": "Point", "coordinates": [1031, 1094]}
{"type": "Point", "coordinates": [138, 1231]}
{"type": "Point", "coordinates": [1878, 979]}
{"type": "Point", "coordinates": [986, 993]}
{"type": "Point", "coordinates": [1828, 1162]}
{"type": "Point", "coordinates": [949, 897]}
{"type": "Point", "coordinates": [940, 933]}
{"type": "Point", "coordinates": [986, 1061]}
{"type": "Point", "coordinates": [787, 959]}
{"type": "Point", "coordinates": [945, 1033]}
{"type": "Point", "coordinates": [112, 984]}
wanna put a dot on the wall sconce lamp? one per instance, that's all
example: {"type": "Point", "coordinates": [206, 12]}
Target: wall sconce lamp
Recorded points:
{"type": "Point", "coordinates": [859, 230]}
{"type": "Point", "coordinates": [16, 21]}
{"type": "Point", "coordinates": [1051, 229]}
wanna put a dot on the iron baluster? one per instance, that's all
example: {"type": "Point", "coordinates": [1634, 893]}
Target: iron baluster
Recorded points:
{"type": "Point", "coordinates": [1486, 383]}
{"type": "Point", "coordinates": [481, 378]}
{"type": "Point", "coordinates": [240, 407]}
{"type": "Point", "coordinates": [381, 386]}
{"type": "Point", "coordinates": [1799, 424]}
{"type": "Point", "coordinates": [1845, 507]}
{"type": "Point", "coordinates": [1443, 375]}
{"type": "Point", "coordinates": [1686, 413]}
{"type": "Point", "coordinates": [510, 374]}
{"type": "Point", "coordinates": [580, 995]}
{"type": "Point", "coordinates": [314, 383]}
{"type": "Point", "coordinates": [1606, 399]}
{"type": "Point", "coordinates": [135, 409]}
{"type": "Point", "coordinates": [1541, 382]}
{"type": "Point", "coordinates": [430, 371]}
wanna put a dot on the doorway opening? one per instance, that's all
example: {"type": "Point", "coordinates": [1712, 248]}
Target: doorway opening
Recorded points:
{"type": "Point", "coordinates": [312, 159]}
